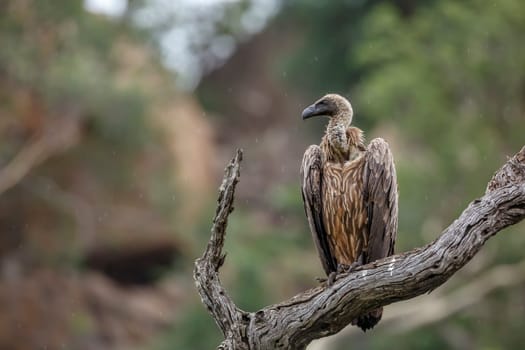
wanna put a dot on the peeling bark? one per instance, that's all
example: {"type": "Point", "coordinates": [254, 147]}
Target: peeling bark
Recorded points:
{"type": "Point", "coordinates": [324, 311]}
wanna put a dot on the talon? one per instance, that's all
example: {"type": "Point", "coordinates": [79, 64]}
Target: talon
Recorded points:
{"type": "Point", "coordinates": [342, 268]}
{"type": "Point", "coordinates": [331, 279]}
{"type": "Point", "coordinates": [353, 266]}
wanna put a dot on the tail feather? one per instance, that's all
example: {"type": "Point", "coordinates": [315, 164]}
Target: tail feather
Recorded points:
{"type": "Point", "coordinates": [369, 320]}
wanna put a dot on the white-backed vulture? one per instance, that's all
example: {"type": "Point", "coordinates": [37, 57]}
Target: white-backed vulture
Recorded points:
{"type": "Point", "coordinates": [350, 194]}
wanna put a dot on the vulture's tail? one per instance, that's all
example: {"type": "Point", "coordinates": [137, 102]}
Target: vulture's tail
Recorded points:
{"type": "Point", "coordinates": [369, 320]}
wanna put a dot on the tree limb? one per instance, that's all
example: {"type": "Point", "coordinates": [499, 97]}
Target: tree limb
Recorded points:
{"type": "Point", "coordinates": [323, 311]}
{"type": "Point", "coordinates": [404, 317]}
{"type": "Point", "coordinates": [230, 319]}
{"type": "Point", "coordinates": [56, 138]}
{"type": "Point", "coordinates": [441, 307]}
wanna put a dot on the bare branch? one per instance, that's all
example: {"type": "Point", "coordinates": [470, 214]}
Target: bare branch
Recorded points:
{"type": "Point", "coordinates": [436, 307]}
{"type": "Point", "coordinates": [56, 138]}
{"type": "Point", "coordinates": [323, 311]}
{"type": "Point", "coordinates": [441, 307]}
{"type": "Point", "coordinates": [228, 317]}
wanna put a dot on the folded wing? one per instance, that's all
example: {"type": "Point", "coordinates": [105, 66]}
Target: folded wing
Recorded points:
{"type": "Point", "coordinates": [311, 185]}
{"type": "Point", "coordinates": [380, 194]}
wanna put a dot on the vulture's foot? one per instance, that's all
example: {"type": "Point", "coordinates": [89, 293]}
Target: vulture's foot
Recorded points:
{"type": "Point", "coordinates": [344, 268]}
{"type": "Point", "coordinates": [331, 279]}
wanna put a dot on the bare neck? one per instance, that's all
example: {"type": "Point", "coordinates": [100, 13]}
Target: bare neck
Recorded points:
{"type": "Point", "coordinates": [336, 132]}
{"type": "Point", "coordinates": [341, 141]}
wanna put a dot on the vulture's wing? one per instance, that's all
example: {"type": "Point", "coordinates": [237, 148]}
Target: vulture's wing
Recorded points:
{"type": "Point", "coordinates": [380, 194]}
{"type": "Point", "coordinates": [311, 182]}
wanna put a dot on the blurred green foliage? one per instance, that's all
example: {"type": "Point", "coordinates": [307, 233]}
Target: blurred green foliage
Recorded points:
{"type": "Point", "coordinates": [443, 82]}
{"type": "Point", "coordinates": [446, 77]}
{"type": "Point", "coordinates": [67, 59]}
{"type": "Point", "coordinates": [59, 61]}
{"type": "Point", "coordinates": [195, 331]}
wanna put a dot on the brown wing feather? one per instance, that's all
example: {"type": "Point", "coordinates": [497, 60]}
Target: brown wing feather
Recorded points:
{"type": "Point", "coordinates": [380, 191]}
{"type": "Point", "coordinates": [311, 185]}
{"type": "Point", "coordinates": [380, 195]}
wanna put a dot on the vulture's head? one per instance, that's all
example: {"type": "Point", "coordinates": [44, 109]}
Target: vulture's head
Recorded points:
{"type": "Point", "coordinates": [331, 105]}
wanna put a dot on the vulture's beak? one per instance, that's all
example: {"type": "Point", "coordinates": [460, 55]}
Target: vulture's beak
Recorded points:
{"type": "Point", "coordinates": [314, 111]}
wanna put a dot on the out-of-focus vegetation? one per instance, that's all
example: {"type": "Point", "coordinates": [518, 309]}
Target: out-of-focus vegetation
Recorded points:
{"type": "Point", "coordinates": [88, 180]}
{"type": "Point", "coordinates": [108, 171]}
{"type": "Point", "coordinates": [443, 82]}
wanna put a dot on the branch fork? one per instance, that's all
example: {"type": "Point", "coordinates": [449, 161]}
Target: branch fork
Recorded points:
{"type": "Point", "coordinates": [325, 310]}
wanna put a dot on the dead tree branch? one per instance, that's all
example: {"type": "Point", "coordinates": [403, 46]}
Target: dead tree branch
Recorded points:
{"type": "Point", "coordinates": [323, 311]}
{"type": "Point", "coordinates": [441, 307]}
{"type": "Point", "coordinates": [56, 138]}
{"type": "Point", "coordinates": [230, 319]}
{"type": "Point", "coordinates": [404, 317]}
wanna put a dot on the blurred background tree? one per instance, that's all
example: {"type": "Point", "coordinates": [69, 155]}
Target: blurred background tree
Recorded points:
{"type": "Point", "coordinates": [115, 126]}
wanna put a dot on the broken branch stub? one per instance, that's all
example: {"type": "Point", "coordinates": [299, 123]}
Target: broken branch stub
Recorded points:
{"type": "Point", "coordinates": [325, 310]}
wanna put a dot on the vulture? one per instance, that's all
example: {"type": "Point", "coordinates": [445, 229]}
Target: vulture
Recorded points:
{"type": "Point", "coordinates": [350, 195]}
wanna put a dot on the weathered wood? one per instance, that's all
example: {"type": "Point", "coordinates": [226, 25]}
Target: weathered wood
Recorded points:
{"type": "Point", "coordinates": [230, 319]}
{"type": "Point", "coordinates": [323, 311]}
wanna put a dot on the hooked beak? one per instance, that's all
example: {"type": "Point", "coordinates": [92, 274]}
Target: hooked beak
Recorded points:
{"type": "Point", "coordinates": [314, 111]}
